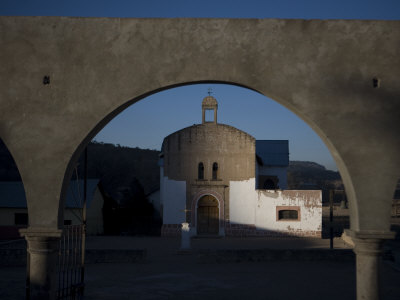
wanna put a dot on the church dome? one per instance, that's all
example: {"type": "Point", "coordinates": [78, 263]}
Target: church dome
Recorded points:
{"type": "Point", "coordinates": [209, 101]}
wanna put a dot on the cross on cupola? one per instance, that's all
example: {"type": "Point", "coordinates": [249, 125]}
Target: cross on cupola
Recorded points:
{"type": "Point", "coordinates": [209, 109]}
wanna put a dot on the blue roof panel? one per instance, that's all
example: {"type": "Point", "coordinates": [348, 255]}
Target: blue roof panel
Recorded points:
{"type": "Point", "coordinates": [273, 152]}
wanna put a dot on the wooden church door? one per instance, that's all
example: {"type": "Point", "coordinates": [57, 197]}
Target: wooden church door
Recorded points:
{"type": "Point", "coordinates": [207, 215]}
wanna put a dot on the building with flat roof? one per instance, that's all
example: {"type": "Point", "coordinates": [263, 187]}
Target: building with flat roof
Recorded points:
{"type": "Point", "coordinates": [222, 181]}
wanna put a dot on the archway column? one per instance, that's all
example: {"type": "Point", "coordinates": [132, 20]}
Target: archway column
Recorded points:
{"type": "Point", "coordinates": [368, 247]}
{"type": "Point", "coordinates": [42, 256]}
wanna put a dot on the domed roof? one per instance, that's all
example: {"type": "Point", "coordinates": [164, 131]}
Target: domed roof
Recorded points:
{"type": "Point", "coordinates": [209, 101]}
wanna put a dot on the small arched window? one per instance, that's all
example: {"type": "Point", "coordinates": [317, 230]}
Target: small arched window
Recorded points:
{"type": "Point", "coordinates": [200, 171]}
{"type": "Point", "coordinates": [215, 171]}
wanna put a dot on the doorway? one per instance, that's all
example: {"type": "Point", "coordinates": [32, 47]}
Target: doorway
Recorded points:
{"type": "Point", "coordinates": [207, 216]}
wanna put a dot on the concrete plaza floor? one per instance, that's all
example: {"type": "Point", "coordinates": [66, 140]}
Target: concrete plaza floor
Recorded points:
{"type": "Point", "coordinates": [167, 273]}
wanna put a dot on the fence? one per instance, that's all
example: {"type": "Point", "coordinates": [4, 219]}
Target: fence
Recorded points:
{"type": "Point", "coordinates": [71, 268]}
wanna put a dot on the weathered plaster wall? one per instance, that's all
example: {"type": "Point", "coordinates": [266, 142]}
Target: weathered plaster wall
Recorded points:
{"type": "Point", "coordinates": [258, 209]}
{"type": "Point", "coordinates": [322, 70]}
{"type": "Point", "coordinates": [242, 202]}
{"type": "Point", "coordinates": [310, 203]}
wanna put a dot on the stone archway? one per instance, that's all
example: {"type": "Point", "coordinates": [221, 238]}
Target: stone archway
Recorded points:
{"type": "Point", "coordinates": [207, 216]}
{"type": "Point", "coordinates": [324, 71]}
{"type": "Point", "coordinates": [220, 204]}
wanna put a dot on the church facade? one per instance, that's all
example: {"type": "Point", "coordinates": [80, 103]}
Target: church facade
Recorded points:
{"type": "Point", "coordinates": [222, 181]}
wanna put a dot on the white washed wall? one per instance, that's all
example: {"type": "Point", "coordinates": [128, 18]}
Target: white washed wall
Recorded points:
{"type": "Point", "coordinates": [242, 201]}
{"type": "Point", "coordinates": [174, 201]}
{"type": "Point", "coordinates": [258, 207]}
{"type": "Point", "coordinates": [310, 203]}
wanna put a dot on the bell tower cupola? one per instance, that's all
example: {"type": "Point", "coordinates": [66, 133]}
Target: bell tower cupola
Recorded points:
{"type": "Point", "coordinates": [209, 109]}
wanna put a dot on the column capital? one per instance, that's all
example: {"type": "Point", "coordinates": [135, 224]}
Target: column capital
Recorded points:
{"type": "Point", "coordinates": [371, 234]}
{"type": "Point", "coordinates": [40, 232]}
{"type": "Point", "coordinates": [41, 241]}
{"type": "Point", "coordinates": [369, 242]}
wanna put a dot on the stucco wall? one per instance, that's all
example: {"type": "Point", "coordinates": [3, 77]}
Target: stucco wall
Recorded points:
{"type": "Point", "coordinates": [174, 201]}
{"type": "Point", "coordinates": [242, 201]}
{"type": "Point", "coordinates": [310, 203]}
{"type": "Point", "coordinates": [258, 209]}
{"type": "Point", "coordinates": [322, 70]}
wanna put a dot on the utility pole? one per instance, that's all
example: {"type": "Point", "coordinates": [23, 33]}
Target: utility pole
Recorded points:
{"type": "Point", "coordinates": [331, 194]}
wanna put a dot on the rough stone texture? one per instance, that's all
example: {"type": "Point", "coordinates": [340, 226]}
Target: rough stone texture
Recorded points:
{"type": "Point", "coordinates": [322, 70]}
{"type": "Point", "coordinates": [232, 149]}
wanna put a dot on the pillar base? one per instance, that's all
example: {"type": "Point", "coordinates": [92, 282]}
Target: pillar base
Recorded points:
{"type": "Point", "coordinates": [368, 249]}
{"type": "Point", "coordinates": [42, 256]}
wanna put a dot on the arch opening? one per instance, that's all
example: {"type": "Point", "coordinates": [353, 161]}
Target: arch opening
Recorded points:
{"type": "Point", "coordinates": [208, 215]}
{"type": "Point", "coordinates": [214, 173]}
{"type": "Point", "coordinates": [13, 205]}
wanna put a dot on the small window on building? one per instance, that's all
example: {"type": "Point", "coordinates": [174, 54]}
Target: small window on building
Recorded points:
{"type": "Point", "coordinates": [288, 214]}
{"type": "Point", "coordinates": [209, 115]}
{"type": "Point", "coordinates": [67, 222]}
{"type": "Point", "coordinates": [21, 219]}
{"type": "Point", "coordinates": [215, 171]}
{"type": "Point", "coordinates": [201, 171]}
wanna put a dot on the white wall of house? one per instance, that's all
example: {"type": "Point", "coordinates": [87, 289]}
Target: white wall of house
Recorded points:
{"type": "Point", "coordinates": [259, 207]}
{"type": "Point", "coordinates": [173, 197]}
{"type": "Point", "coordinates": [309, 203]}
{"type": "Point", "coordinates": [242, 202]}
{"type": "Point", "coordinates": [94, 215]}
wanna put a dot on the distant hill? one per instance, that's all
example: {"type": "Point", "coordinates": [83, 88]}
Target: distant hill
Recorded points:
{"type": "Point", "coordinates": [310, 175]}
{"type": "Point", "coordinates": [306, 172]}
{"type": "Point", "coordinates": [121, 168]}
{"type": "Point", "coordinates": [126, 171]}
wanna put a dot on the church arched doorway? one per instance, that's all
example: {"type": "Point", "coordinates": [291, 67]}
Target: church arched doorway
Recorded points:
{"type": "Point", "coordinates": [207, 216]}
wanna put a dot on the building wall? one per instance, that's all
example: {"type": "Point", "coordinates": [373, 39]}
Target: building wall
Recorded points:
{"type": "Point", "coordinates": [7, 217]}
{"type": "Point", "coordinates": [242, 202]}
{"type": "Point", "coordinates": [254, 212]}
{"type": "Point", "coordinates": [94, 215]}
{"type": "Point", "coordinates": [309, 203]}
{"type": "Point", "coordinates": [174, 200]}
{"type": "Point", "coordinates": [231, 148]}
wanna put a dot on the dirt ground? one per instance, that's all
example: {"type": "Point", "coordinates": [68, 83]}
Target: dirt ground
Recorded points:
{"type": "Point", "coordinates": [167, 273]}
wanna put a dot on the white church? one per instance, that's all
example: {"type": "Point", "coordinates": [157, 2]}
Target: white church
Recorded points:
{"type": "Point", "coordinates": [223, 182]}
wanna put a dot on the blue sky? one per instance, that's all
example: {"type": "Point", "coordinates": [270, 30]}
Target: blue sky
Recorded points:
{"type": "Point", "coordinates": [249, 111]}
